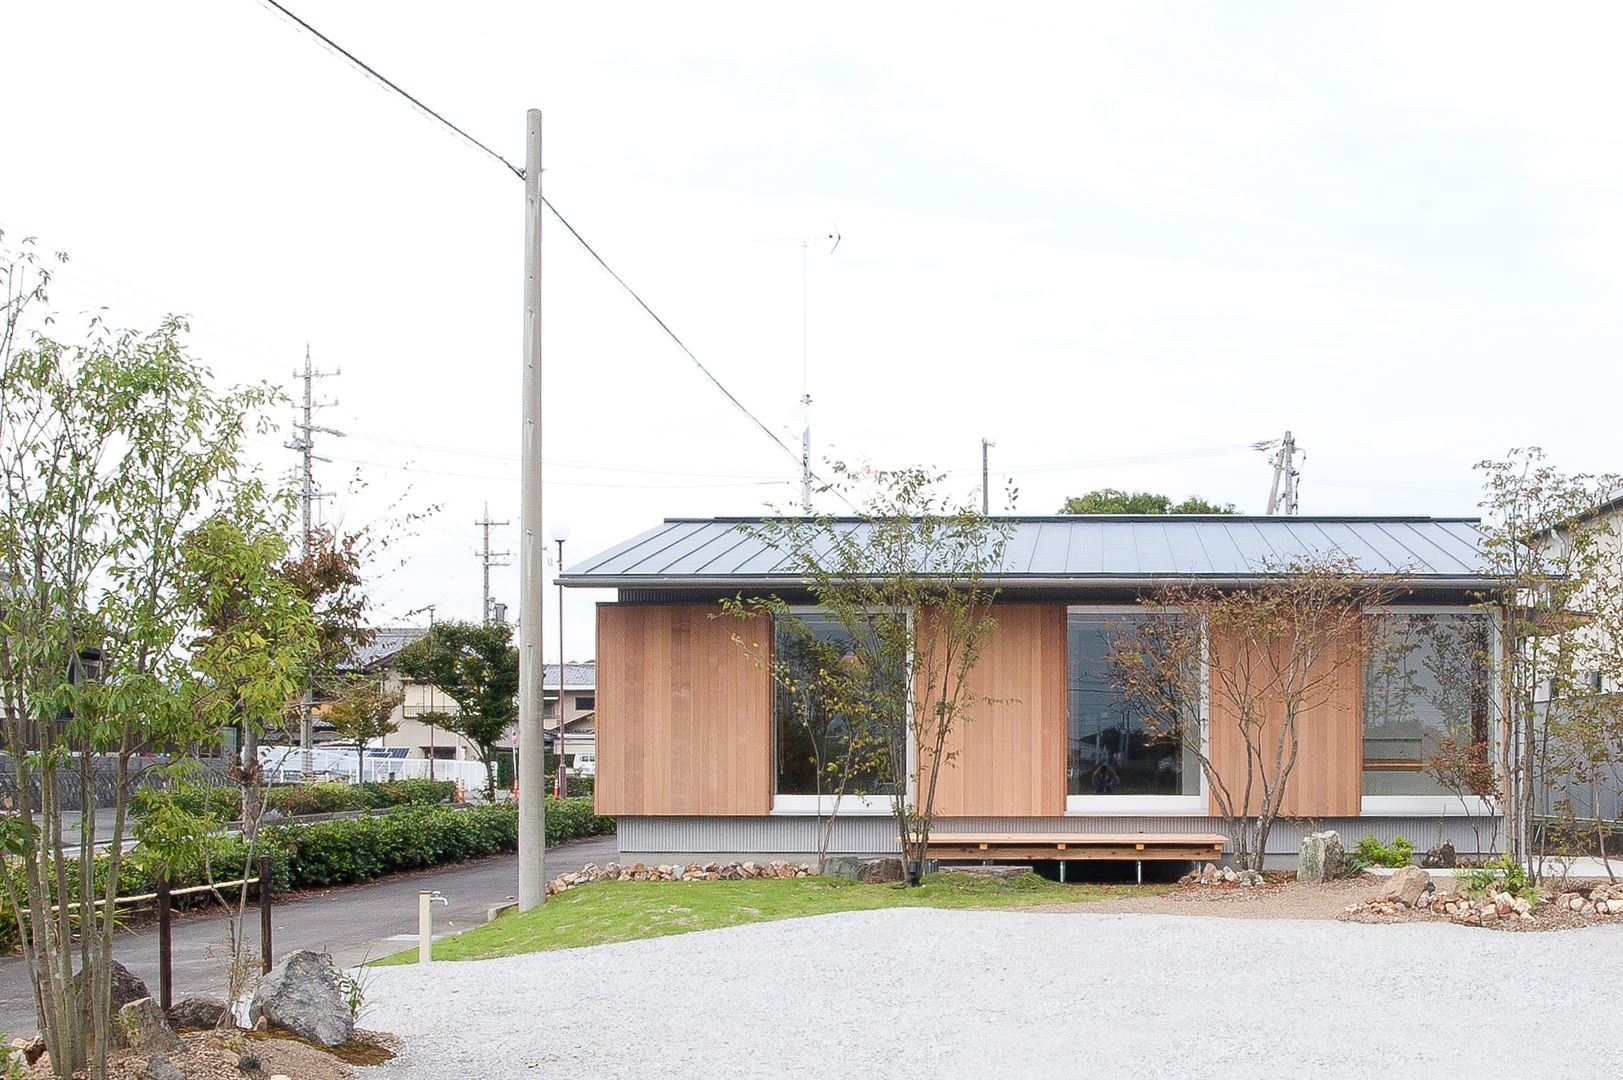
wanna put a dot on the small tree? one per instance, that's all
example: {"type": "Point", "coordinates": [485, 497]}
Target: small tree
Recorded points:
{"type": "Point", "coordinates": [111, 450]}
{"type": "Point", "coordinates": [477, 667]}
{"type": "Point", "coordinates": [1549, 538]}
{"type": "Point", "coordinates": [824, 715]}
{"type": "Point", "coordinates": [364, 712]}
{"type": "Point", "coordinates": [911, 579]}
{"type": "Point", "coordinates": [1271, 657]}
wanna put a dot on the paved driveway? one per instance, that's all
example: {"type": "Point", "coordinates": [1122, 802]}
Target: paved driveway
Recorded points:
{"type": "Point", "coordinates": [354, 923]}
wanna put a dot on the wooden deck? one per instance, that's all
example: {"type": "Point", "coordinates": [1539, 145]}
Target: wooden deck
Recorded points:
{"type": "Point", "coordinates": [1033, 847]}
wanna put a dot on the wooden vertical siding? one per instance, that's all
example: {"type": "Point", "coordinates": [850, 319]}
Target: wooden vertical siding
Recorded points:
{"type": "Point", "coordinates": [684, 716]}
{"type": "Point", "coordinates": [1011, 755]}
{"type": "Point", "coordinates": [1327, 780]}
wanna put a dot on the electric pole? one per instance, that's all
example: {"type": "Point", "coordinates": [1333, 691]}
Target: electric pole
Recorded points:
{"type": "Point", "coordinates": [986, 490]}
{"type": "Point", "coordinates": [487, 555]}
{"type": "Point", "coordinates": [532, 761]}
{"type": "Point", "coordinates": [1286, 474]}
{"type": "Point", "coordinates": [304, 441]}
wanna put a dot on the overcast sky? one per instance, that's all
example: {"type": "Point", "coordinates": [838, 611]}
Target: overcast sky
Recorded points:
{"type": "Point", "coordinates": [1123, 241]}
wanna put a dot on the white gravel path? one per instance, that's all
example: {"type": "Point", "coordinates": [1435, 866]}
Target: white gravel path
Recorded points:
{"type": "Point", "coordinates": [918, 992]}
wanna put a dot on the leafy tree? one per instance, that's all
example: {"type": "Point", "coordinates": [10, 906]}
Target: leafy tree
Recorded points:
{"type": "Point", "coordinates": [112, 450]}
{"type": "Point", "coordinates": [824, 714]}
{"type": "Point", "coordinates": [477, 667]}
{"type": "Point", "coordinates": [364, 712]}
{"type": "Point", "coordinates": [910, 579]}
{"type": "Point", "coordinates": [1112, 501]}
{"type": "Point", "coordinates": [1550, 538]}
{"type": "Point", "coordinates": [1273, 656]}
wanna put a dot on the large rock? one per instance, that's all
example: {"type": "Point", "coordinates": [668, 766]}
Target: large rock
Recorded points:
{"type": "Point", "coordinates": [301, 995]}
{"type": "Point", "coordinates": [1405, 886]}
{"type": "Point", "coordinates": [159, 1067]}
{"type": "Point", "coordinates": [868, 871]}
{"type": "Point", "coordinates": [203, 1011]}
{"type": "Point", "coordinates": [127, 986]}
{"type": "Point", "coordinates": [146, 1029]}
{"type": "Point", "coordinates": [1441, 857]}
{"type": "Point", "coordinates": [1322, 858]}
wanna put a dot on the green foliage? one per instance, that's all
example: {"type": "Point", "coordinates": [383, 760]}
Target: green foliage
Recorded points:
{"type": "Point", "coordinates": [336, 797]}
{"type": "Point", "coordinates": [1371, 852]}
{"type": "Point", "coordinates": [911, 582]}
{"type": "Point", "coordinates": [1113, 501]}
{"type": "Point", "coordinates": [477, 667]}
{"type": "Point", "coordinates": [1501, 875]}
{"type": "Point", "coordinates": [218, 803]}
{"type": "Point", "coordinates": [416, 792]}
{"type": "Point", "coordinates": [327, 852]}
{"type": "Point", "coordinates": [119, 463]}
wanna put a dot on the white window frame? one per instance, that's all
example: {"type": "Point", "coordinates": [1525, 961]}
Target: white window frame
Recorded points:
{"type": "Point", "coordinates": [852, 805]}
{"type": "Point", "coordinates": [1435, 805]}
{"type": "Point", "coordinates": [1137, 805]}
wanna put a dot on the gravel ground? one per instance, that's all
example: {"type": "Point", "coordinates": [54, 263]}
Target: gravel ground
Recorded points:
{"type": "Point", "coordinates": [928, 993]}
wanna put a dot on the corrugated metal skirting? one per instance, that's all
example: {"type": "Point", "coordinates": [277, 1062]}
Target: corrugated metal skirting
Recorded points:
{"type": "Point", "coordinates": [667, 838]}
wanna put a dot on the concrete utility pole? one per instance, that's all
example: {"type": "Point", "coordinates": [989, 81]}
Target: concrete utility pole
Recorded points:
{"type": "Point", "coordinates": [986, 488]}
{"type": "Point", "coordinates": [304, 441]}
{"type": "Point", "coordinates": [532, 759]}
{"type": "Point", "coordinates": [1286, 475]}
{"type": "Point", "coordinates": [487, 555]}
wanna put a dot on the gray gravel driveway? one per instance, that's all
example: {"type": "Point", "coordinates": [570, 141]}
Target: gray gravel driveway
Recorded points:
{"type": "Point", "coordinates": [922, 993]}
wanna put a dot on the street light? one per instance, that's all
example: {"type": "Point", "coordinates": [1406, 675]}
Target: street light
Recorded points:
{"type": "Point", "coordinates": [560, 533]}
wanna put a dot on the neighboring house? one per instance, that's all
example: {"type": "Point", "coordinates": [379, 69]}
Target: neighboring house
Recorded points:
{"type": "Point", "coordinates": [691, 756]}
{"type": "Point", "coordinates": [420, 740]}
{"type": "Point", "coordinates": [1596, 789]}
{"type": "Point", "coordinates": [580, 707]}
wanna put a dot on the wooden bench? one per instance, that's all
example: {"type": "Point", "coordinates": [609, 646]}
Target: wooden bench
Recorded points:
{"type": "Point", "coordinates": [1064, 847]}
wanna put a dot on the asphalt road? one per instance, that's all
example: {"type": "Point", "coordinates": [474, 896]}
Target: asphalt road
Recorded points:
{"type": "Point", "coordinates": [354, 923]}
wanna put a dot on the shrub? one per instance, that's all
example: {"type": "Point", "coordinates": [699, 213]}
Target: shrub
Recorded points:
{"type": "Point", "coordinates": [422, 792]}
{"type": "Point", "coordinates": [320, 797]}
{"type": "Point", "coordinates": [1501, 874]}
{"type": "Point", "coordinates": [216, 802]}
{"type": "Point", "coordinates": [1371, 852]}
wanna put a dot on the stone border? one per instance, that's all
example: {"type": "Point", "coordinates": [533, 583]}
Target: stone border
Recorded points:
{"type": "Point", "coordinates": [693, 871]}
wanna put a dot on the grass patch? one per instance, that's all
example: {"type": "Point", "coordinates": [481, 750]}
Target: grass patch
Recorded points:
{"type": "Point", "coordinates": [626, 911]}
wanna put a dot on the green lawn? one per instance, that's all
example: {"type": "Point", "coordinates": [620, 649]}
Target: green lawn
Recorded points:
{"type": "Point", "coordinates": [626, 910]}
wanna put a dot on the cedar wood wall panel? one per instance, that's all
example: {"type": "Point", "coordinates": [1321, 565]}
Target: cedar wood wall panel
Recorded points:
{"type": "Point", "coordinates": [684, 722]}
{"type": "Point", "coordinates": [1327, 780]}
{"type": "Point", "coordinates": [1011, 755]}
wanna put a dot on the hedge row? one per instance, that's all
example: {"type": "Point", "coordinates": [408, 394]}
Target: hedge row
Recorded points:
{"type": "Point", "coordinates": [224, 802]}
{"type": "Point", "coordinates": [344, 850]}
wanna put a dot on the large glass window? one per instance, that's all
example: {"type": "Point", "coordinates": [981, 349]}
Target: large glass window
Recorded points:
{"type": "Point", "coordinates": [1427, 702]}
{"type": "Point", "coordinates": [1123, 742]}
{"type": "Point", "coordinates": [825, 743]}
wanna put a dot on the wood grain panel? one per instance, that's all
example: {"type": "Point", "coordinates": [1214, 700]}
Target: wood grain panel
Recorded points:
{"type": "Point", "coordinates": [1010, 757]}
{"type": "Point", "coordinates": [1327, 779]}
{"type": "Point", "coordinates": [684, 716]}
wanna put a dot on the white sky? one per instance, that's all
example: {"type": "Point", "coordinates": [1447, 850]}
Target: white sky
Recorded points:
{"type": "Point", "coordinates": [1102, 235]}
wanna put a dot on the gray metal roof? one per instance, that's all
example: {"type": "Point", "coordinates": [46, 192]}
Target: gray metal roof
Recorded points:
{"type": "Point", "coordinates": [1077, 550]}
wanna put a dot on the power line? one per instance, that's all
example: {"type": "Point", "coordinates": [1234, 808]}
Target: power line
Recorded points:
{"type": "Point", "coordinates": [386, 81]}
{"type": "Point", "coordinates": [426, 111]}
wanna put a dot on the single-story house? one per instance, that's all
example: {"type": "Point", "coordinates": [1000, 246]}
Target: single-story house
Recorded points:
{"type": "Point", "coordinates": [696, 755]}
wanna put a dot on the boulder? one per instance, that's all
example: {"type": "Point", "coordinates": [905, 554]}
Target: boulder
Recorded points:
{"type": "Point", "coordinates": [1405, 886]}
{"type": "Point", "coordinates": [203, 1011]}
{"type": "Point", "coordinates": [1322, 857]}
{"type": "Point", "coordinates": [868, 871]}
{"type": "Point", "coordinates": [159, 1067]}
{"type": "Point", "coordinates": [146, 1029]}
{"type": "Point", "coordinates": [301, 995]}
{"type": "Point", "coordinates": [1441, 857]}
